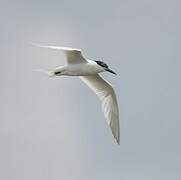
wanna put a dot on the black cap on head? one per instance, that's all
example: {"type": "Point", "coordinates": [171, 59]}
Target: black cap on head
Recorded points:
{"type": "Point", "coordinates": [105, 66]}
{"type": "Point", "coordinates": [101, 63]}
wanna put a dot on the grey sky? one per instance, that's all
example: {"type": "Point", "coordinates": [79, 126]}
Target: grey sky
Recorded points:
{"type": "Point", "coordinates": [54, 128]}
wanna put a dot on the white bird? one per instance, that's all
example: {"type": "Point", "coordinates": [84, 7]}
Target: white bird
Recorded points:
{"type": "Point", "coordinates": [88, 71]}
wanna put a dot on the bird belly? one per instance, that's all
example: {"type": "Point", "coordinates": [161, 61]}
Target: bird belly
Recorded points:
{"type": "Point", "coordinates": [81, 70]}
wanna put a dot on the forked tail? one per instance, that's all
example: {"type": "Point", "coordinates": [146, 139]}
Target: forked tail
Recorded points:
{"type": "Point", "coordinates": [49, 73]}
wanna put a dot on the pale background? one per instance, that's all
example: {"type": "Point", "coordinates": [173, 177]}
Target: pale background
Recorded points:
{"type": "Point", "coordinates": [53, 129]}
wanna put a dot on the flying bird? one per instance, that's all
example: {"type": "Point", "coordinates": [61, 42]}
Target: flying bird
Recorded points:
{"type": "Point", "coordinates": [88, 71]}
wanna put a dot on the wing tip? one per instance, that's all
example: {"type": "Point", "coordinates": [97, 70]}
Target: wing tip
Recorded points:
{"type": "Point", "coordinates": [34, 44]}
{"type": "Point", "coordinates": [117, 139]}
{"type": "Point", "coordinates": [116, 134]}
{"type": "Point", "coordinates": [55, 47]}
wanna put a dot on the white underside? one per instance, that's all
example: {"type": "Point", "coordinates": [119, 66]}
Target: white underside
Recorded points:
{"type": "Point", "coordinates": [83, 69]}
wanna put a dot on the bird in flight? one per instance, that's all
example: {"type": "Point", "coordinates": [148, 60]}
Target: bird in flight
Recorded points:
{"type": "Point", "coordinates": [88, 71]}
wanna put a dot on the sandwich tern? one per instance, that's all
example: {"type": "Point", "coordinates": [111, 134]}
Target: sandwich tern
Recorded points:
{"type": "Point", "coordinates": [88, 71]}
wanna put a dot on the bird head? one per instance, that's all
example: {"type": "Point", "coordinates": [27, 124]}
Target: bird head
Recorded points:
{"type": "Point", "coordinates": [105, 67]}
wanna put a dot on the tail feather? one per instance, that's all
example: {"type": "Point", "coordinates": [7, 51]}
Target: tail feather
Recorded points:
{"type": "Point", "coordinates": [49, 73]}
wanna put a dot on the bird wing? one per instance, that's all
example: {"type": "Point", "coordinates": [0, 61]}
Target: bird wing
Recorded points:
{"type": "Point", "coordinates": [73, 55]}
{"type": "Point", "coordinates": [108, 98]}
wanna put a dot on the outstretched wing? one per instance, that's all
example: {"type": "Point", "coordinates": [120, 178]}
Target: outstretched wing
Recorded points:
{"type": "Point", "coordinates": [109, 102]}
{"type": "Point", "coordinates": [73, 55]}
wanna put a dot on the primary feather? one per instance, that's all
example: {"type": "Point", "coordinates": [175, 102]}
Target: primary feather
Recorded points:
{"type": "Point", "coordinates": [109, 102]}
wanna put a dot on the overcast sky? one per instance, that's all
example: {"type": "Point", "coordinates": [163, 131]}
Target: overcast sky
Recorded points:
{"type": "Point", "coordinates": [52, 129]}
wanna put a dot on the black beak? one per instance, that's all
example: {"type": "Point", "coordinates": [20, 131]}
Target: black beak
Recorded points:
{"type": "Point", "coordinates": [110, 71]}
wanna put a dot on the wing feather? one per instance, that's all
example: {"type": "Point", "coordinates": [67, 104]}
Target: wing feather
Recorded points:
{"type": "Point", "coordinates": [109, 102]}
{"type": "Point", "coordinates": [73, 55]}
